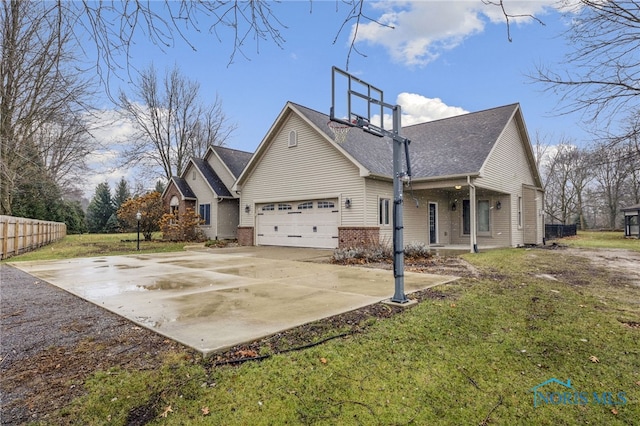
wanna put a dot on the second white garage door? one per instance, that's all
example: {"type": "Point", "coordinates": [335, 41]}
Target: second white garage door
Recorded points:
{"type": "Point", "coordinates": [311, 223]}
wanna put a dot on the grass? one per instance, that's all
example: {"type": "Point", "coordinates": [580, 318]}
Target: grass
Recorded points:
{"type": "Point", "coordinates": [471, 358]}
{"type": "Point", "coordinates": [89, 245]}
{"type": "Point", "coordinates": [601, 239]}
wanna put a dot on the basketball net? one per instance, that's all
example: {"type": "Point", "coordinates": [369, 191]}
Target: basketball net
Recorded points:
{"type": "Point", "coordinates": [339, 131]}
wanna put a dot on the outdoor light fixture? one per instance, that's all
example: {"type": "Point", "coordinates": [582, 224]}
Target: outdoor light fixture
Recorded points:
{"type": "Point", "coordinates": [347, 203]}
{"type": "Point", "coordinates": [138, 217]}
{"type": "Point", "coordinates": [453, 207]}
{"type": "Point", "coordinates": [458, 187]}
{"type": "Point", "coordinates": [247, 209]}
{"type": "Point", "coordinates": [498, 205]}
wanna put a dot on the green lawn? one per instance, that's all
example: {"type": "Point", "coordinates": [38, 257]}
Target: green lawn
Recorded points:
{"type": "Point", "coordinates": [601, 239]}
{"type": "Point", "coordinates": [88, 245]}
{"type": "Point", "coordinates": [471, 358]}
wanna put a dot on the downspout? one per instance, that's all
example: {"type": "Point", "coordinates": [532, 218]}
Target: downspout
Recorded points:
{"type": "Point", "coordinates": [473, 238]}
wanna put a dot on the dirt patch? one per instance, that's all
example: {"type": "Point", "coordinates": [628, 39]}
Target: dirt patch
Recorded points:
{"type": "Point", "coordinates": [623, 262]}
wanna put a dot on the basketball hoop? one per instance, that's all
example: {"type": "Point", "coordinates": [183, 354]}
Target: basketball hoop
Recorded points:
{"type": "Point", "coordinates": [339, 131]}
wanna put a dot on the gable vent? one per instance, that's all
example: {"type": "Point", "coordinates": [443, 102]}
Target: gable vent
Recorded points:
{"type": "Point", "coordinates": [293, 138]}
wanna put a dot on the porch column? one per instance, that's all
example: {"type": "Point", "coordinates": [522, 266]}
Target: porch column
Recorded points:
{"type": "Point", "coordinates": [473, 239]}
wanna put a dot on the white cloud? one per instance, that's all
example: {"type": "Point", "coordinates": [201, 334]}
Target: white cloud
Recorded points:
{"type": "Point", "coordinates": [419, 109]}
{"type": "Point", "coordinates": [422, 30]}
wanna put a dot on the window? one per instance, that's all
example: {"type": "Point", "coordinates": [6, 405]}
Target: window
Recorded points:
{"type": "Point", "coordinates": [268, 208]}
{"type": "Point", "coordinates": [193, 175]}
{"type": "Point", "coordinates": [519, 212]}
{"type": "Point", "coordinates": [326, 205]}
{"type": "Point", "coordinates": [293, 138]}
{"type": "Point", "coordinates": [305, 206]}
{"type": "Point", "coordinates": [385, 206]}
{"type": "Point", "coordinates": [284, 206]}
{"type": "Point", "coordinates": [483, 217]}
{"type": "Point", "coordinates": [205, 213]}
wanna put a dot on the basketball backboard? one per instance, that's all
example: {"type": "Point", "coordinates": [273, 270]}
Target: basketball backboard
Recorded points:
{"type": "Point", "coordinates": [355, 102]}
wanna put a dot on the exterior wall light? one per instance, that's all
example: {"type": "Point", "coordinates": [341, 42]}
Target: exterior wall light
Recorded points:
{"type": "Point", "coordinates": [347, 203]}
{"type": "Point", "coordinates": [498, 205]}
{"type": "Point", "coordinates": [453, 207]}
{"type": "Point", "coordinates": [247, 208]}
{"type": "Point", "coordinates": [458, 187]}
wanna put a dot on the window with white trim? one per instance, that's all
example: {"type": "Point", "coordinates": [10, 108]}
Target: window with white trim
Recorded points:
{"type": "Point", "coordinates": [283, 206]}
{"type": "Point", "coordinates": [205, 214]}
{"type": "Point", "coordinates": [384, 211]}
{"type": "Point", "coordinates": [519, 212]}
{"type": "Point", "coordinates": [293, 138]}
{"type": "Point", "coordinates": [483, 222]}
{"type": "Point", "coordinates": [305, 206]}
{"type": "Point", "coordinates": [268, 208]}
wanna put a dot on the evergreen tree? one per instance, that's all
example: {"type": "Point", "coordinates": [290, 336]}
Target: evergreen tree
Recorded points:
{"type": "Point", "coordinates": [122, 194]}
{"type": "Point", "coordinates": [74, 217]}
{"type": "Point", "coordinates": [160, 186]}
{"type": "Point", "coordinates": [100, 209]}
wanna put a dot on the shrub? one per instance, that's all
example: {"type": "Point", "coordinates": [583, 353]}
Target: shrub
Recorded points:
{"type": "Point", "coordinates": [181, 227]}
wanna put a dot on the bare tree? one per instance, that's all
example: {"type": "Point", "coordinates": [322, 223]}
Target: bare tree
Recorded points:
{"type": "Point", "coordinates": [173, 123]}
{"type": "Point", "coordinates": [611, 170]}
{"type": "Point", "coordinates": [559, 193]}
{"type": "Point", "coordinates": [602, 81]}
{"type": "Point", "coordinates": [39, 88]}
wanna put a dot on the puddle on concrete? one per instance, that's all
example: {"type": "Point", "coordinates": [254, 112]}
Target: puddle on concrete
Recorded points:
{"type": "Point", "coordinates": [128, 266]}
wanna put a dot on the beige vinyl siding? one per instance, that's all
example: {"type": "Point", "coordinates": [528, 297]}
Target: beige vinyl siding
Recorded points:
{"type": "Point", "coordinates": [221, 170]}
{"type": "Point", "coordinates": [506, 170]}
{"type": "Point", "coordinates": [313, 169]}
{"type": "Point", "coordinates": [416, 219]}
{"type": "Point", "coordinates": [204, 195]}
{"type": "Point", "coordinates": [227, 218]}
{"type": "Point", "coordinates": [532, 206]}
{"type": "Point", "coordinates": [375, 190]}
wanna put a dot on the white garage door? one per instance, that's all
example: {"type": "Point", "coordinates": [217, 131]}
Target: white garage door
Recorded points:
{"type": "Point", "coordinates": [298, 224]}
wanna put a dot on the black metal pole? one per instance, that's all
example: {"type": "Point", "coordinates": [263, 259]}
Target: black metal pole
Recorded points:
{"type": "Point", "coordinates": [138, 234]}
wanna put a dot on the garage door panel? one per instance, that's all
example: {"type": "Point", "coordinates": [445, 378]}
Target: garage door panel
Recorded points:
{"type": "Point", "coordinates": [299, 227]}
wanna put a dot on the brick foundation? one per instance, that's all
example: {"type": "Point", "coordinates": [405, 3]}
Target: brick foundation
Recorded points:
{"type": "Point", "coordinates": [358, 236]}
{"type": "Point", "coordinates": [245, 236]}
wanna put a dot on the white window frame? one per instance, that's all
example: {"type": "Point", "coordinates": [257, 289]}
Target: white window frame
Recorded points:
{"type": "Point", "coordinates": [384, 212]}
{"type": "Point", "coordinates": [207, 217]}
{"type": "Point", "coordinates": [519, 212]}
{"type": "Point", "coordinates": [293, 139]}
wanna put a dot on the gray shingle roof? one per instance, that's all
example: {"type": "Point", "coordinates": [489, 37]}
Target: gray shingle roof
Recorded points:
{"type": "Point", "coordinates": [183, 187]}
{"type": "Point", "coordinates": [453, 146]}
{"type": "Point", "coordinates": [211, 177]}
{"type": "Point", "coordinates": [234, 159]}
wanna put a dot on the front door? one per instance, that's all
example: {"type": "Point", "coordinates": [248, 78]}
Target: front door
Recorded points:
{"type": "Point", "coordinates": [433, 223]}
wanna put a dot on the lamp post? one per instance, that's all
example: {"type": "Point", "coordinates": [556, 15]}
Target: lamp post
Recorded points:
{"type": "Point", "coordinates": [138, 216]}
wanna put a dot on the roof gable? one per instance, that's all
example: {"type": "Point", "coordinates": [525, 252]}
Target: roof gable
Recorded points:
{"type": "Point", "coordinates": [182, 186]}
{"type": "Point", "coordinates": [210, 176]}
{"type": "Point", "coordinates": [235, 160]}
{"type": "Point", "coordinates": [454, 146]}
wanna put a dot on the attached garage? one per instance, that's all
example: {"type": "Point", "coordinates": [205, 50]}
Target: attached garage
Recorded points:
{"type": "Point", "coordinates": [306, 223]}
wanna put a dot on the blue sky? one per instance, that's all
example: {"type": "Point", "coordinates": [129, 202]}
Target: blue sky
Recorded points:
{"type": "Point", "coordinates": [443, 57]}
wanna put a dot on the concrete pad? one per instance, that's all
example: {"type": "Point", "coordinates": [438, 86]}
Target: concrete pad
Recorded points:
{"type": "Point", "coordinates": [214, 299]}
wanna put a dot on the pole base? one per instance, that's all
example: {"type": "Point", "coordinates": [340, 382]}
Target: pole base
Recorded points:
{"type": "Point", "coordinates": [405, 304]}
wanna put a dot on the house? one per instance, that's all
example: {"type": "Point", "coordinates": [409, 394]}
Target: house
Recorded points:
{"type": "Point", "coordinates": [302, 188]}
{"type": "Point", "coordinates": [205, 186]}
{"type": "Point", "coordinates": [632, 221]}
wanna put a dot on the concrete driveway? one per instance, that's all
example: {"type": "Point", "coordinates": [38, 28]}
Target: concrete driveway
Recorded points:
{"type": "Point", "coordinates": [214, 299]}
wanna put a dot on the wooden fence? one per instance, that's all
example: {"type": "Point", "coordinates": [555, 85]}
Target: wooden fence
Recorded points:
{"type": "Point", "coordinates": [19, 235]}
